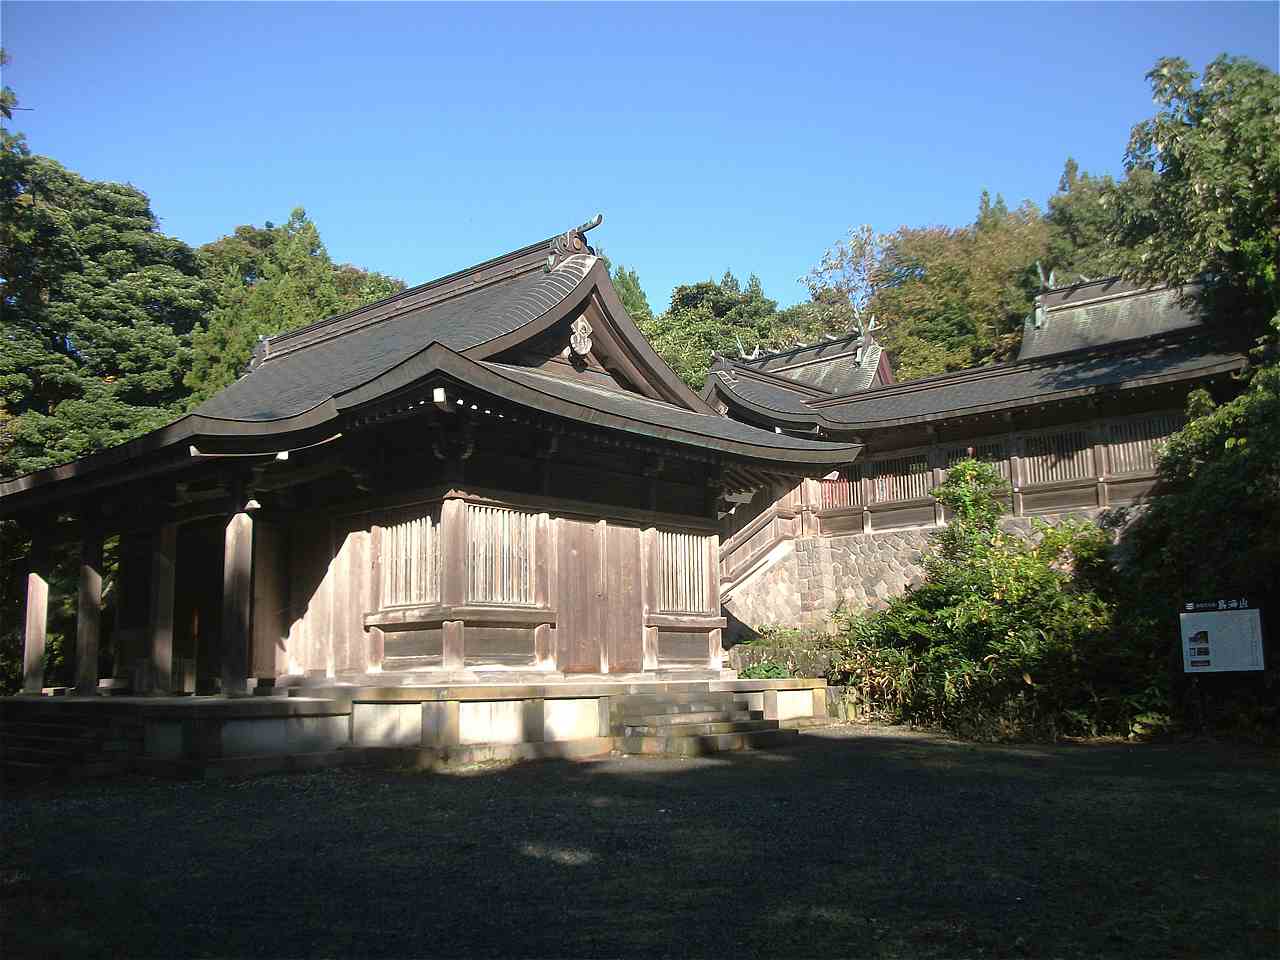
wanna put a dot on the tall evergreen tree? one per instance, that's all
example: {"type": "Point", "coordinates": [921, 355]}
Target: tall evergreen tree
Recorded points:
{"type": "Point", "coordinates": [707, 318]}
{"type": "Point", "coordinates": [96, 306]}
{"type": "Point", "coordinates": [1079, 219]}
{"type": "Point", "coordinates": [268, 280]}
{"type": "Point", "coordinates": [627, 283]}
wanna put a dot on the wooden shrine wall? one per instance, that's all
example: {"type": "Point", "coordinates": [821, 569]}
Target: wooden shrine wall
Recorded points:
{"type": "Point", "coordinates": [477, 579]}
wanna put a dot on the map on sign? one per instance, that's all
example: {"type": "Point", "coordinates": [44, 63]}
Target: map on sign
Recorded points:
{"type": "Point", "coordinates": [1220, 636]}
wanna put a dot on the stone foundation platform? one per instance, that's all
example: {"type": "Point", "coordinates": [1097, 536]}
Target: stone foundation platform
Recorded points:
{"type": "Point", "coordinates": [424, 727]}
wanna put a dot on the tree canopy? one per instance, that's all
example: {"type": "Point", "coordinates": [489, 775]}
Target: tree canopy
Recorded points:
{"type": "Point", "coordinates": [267, 280]}
{"type": "Point", "coordinates": [1202, 196]}
{"type": "Point", "coordinates": [97, 309]}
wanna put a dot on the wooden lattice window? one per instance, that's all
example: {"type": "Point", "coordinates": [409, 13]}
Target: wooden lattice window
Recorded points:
{"type": "Point", "coordinates": [500, 555]}
{"type": "Point", "coordinates": [411, 562]}
{"type": "Point", "coordinates": [899, 478]}
{"type": "Point", "coordinates": [683, 572]}
{"type": "Point", "coordinates": [842, 491]}
{"type": "Point", "coordinates": [1051, 457]}
{"type": "Point", "coordinates": [1133, 444]}
{"type": "Point", "coordinates": [992, 451]}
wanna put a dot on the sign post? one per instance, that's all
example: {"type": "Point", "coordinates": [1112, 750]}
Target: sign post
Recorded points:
{"type": "Point", "coordinates": [1219, 636]}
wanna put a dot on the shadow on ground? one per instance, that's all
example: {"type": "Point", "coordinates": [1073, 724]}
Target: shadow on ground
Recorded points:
{"type": "Point", "coordinates": [857, 842]}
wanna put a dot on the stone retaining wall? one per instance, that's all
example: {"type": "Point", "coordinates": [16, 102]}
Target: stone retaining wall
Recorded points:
{"type": "Point", "coordinates": [804, 585]}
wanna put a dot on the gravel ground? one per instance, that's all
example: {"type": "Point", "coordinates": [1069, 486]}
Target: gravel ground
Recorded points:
{"type": "Point", "coordinates": [861, 841]}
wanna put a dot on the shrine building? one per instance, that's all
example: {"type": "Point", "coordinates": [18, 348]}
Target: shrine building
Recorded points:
{"type": "Point", "coordinates": [477, 518]}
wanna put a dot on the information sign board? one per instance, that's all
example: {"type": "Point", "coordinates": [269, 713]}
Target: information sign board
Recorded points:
{"type": "Point", "coordinates": [1221, 635]}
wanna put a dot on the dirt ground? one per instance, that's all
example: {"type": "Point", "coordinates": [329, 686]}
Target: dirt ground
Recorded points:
{"type": "Point", "coordinates": [861, 841]}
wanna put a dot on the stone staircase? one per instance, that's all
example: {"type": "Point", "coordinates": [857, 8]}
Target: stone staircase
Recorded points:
{"type": "Point", "coordinates": [690, 724]}
{"type": "Point", "coordinates": [62, 745]}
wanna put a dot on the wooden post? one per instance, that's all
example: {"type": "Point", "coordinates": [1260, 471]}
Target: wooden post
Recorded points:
{"type": "Point", "coordinates": [164, 568]}
{"type": "Point", "coordinates": [237, 603]}
{"type": "Point", "coordinates": [35, 614]}
{"type": "Point", "coordinates": [1016, 472]}
{"type": "Point", "coordinates": [649, 572]}
{"type": "Point", "coordinates": [453, 580]}
{"type": "Point", "coordinates": [715, 650]}
{"type": "Point", "coordinates": [89, 612]}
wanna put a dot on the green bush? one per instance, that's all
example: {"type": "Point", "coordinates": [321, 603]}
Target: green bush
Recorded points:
{"type": "Point", "coordinates": [766, 670]}
{"type": "Point", "coordinates": [1006, 637]}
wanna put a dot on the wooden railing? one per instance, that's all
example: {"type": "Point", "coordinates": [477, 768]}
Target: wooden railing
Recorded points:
{"type": "Point", "coordinates": [1065, 468]}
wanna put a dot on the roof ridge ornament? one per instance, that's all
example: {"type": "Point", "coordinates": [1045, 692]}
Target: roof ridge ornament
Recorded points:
{"type": "Point", "coordinates": [742, 351]}
{"type": "Point", "coordinates": [571, 242]}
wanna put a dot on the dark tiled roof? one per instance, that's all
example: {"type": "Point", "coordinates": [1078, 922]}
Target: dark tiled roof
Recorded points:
{"type": "Point", "coordinates": [1021, 382]}
{"type": "Point", "coordinates": [657, 414]}
{"type": "Point", "coordinates": [834, 365]}
{"type": "Point", "coordinates": [764, 394]}
{"type": "Point", "coordinates": [1102, 313]}
{"type": "Point", "coordinates": [297, 380]}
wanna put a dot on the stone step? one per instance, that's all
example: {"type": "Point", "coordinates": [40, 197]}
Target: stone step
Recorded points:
{"type": "Point", "coordinates": [36, 728]}
{"type": "Point", "coordinates": [699, 729]}
{"type": "Point", "coordinates": [20, 771]}
{"type": "Point", "coordinates": [691, 696]}
{"type": "Point", "coordinates": [702, 716]}
{"type": "Point", "coordinates": [698, 745]}
{"type": "Point", "coordinates": [693, 706]}
{"type": "Point", "coordinates": [54, 755]}
{"type": "Point", "coordinates": [74, 744]}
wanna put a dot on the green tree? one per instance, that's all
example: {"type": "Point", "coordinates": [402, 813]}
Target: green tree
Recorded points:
{"type": "Point", "coordinates": [1202, 196]}
{"type": "Point", "coordinates": [949, 298]}
{"type": "Point", "coordinates": [627, 283]}
{"type": "Point", "coordinates": [711, 317]}
{"type": "Point", "coordinates": [1080, 218]}
{"type": "Point", "coordinates": [96, 307]}
{"type": "Point", "coordinates": [268, 280]}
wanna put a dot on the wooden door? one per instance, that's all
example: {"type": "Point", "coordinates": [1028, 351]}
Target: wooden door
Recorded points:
{"type": "Point", "coordinates": [623, 609]}
{"type": "Point", "coordinates": [599, 607]}
{"type": "Point", "coordinates": [580, 591]}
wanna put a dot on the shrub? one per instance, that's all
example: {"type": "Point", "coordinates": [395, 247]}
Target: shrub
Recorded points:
{"type": "Point", "coordinates": [766, 670]}
{"type": "Point", "coordinates": [1006, 637]}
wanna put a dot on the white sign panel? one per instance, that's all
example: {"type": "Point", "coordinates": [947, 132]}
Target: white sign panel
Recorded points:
{"type": "Point", "coordinates": [1220, 636]}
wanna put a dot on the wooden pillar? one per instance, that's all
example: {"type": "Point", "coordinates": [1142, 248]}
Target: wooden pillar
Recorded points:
{"type": "Point", "coordinates": [89, 612]}
{"type": "Point", "coordinates": [237, 603]}
{"type": "Point", "coordinates": [715, 649]}
{"type": "Point", "coordinates": [649, 573]}
{"type": "Point", "coordinates": [164, 569]}
{"type": "Point", "coordinates": [375, 641]}
{"type": "Point", "coordinates": [544, 560]}
{"type": "Point", "coordinates": [453, 580]}
{"type": "Point", "coordinates": [1017, 471]}
{"type": "Point", "coordinates": [35, 613]}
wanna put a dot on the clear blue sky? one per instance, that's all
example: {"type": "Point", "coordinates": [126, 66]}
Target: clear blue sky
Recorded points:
{"type": "Point", "coordinates": [422, 138]}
